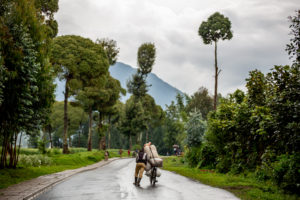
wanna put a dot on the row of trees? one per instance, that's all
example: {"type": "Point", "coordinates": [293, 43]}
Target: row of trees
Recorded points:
{"type": "Point", "coordinates": [97, 92]}
{"type": "Point", "coordinates": [84, 64]}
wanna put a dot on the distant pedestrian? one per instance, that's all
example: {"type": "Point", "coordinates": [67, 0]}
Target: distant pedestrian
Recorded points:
{"type": "Point", "coordinates": [120, 152]}
{"type": "Point", "coordinates": [106, 155]}
{"type": "Point", "coordinates": [128, 152]}
{"type": "Point", "coordinates": [179, 152]}
{"type": "Point", "coordinates": [141, 161]}
{"type": "Point", "coordinates": [175, 151]}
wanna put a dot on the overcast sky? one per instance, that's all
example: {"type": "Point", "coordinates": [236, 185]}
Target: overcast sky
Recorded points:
{"type": "Point", "coordinates": [260, 34]}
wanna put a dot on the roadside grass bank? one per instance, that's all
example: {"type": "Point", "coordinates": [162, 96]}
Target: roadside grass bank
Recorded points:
{"type": "Point", "coordinates": [33, 164]}
{"type": "Point", "coordinates": [243, 186]}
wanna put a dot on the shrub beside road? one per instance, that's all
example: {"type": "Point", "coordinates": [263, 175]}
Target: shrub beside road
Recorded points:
{"type": "Point", "coordinates": [244, 186]}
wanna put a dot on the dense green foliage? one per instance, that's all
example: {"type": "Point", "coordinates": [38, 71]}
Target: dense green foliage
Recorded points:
{"type": "Point", "coordinates": [257, 131]}
{"type": "Point", "coordinates": [244, 186]}
{"type": "Point", "coordinates": [26, 83]}
{"type": "Point", "coordinates": [77, 118]}
{"type": "Point", "coordinates": [200, 101]}
{"type": "Point", "coordinates": [195, 128]}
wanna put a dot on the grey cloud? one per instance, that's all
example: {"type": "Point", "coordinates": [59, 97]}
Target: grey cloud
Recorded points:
{"type": "Point", "coordinates": [260, 34]}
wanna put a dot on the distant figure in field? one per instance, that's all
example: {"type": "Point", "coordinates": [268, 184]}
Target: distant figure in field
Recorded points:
{"type": "Point", "coordinates": [128, 152]}
{"type": "Point", "coordinates": [141, 161]}
{"type": "Point", "coordinates": [120, 152]}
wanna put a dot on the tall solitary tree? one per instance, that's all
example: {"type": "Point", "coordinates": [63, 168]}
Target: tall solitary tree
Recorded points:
{"type": "Point", "coordinates": [137, 85]}
{"type": "Point", "coordinates": [215, 28]}
{"type": "Point", "coordinates": [145, 58]}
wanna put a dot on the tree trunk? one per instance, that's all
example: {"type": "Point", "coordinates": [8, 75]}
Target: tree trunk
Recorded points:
{"type": "Point", "coordinates": [90, 130]}
{"type": "Point", "coordinates": [65, 136]}
{"type": "Point", "coordinates": [11, 152]}
{"type": "Point", "coordinates": [130, 142]}
{"type": "Point", "coordinates": [79, 135]}
{"type": "Point", "coordinates": [4, 150]}
{"type": "Point", "coordinates": [99, 131]}
{"type": "Point", "coordinates": [102, 145]}
{"type": "Point", "coordinates": [216, 78]}
{"type": "Point", "coordinates": [15, 151]}
{"type": "Point", "coordinates": [19, 147]}
{"type": "Point", "coordinates": [50, 137]}
{"type": "Point", "coordinates": [109, 130]}
{"type": "Point", "coordinates": [70, 141]}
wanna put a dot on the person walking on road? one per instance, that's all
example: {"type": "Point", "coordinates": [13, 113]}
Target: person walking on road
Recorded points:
{"type": "Point", "coordinates": [128, 152]}
{"type": "Point", "coordinates": [141, 161]}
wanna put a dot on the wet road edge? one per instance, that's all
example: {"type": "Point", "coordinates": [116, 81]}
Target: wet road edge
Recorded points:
{"type": "Point", "coordinates": [30, 189]}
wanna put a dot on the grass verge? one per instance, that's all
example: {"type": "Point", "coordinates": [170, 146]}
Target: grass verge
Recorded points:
{"type": "Point", "coordinates": [243, 186]}
{"type": "Point", "coordinates": [60, 162]}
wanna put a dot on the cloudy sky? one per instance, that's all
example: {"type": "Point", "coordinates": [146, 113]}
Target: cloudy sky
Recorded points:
{"type": "Point", "coordinates": [260, 33]}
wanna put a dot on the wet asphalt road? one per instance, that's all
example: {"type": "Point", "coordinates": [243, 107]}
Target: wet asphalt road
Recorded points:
{"type": "Point", "coordinates": [114, 181]}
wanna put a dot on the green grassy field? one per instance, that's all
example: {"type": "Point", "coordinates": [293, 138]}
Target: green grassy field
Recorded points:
{"type": "Point", "coordinates": [78, 157]}
{"type": "Point", "coordinates": [243, 186]}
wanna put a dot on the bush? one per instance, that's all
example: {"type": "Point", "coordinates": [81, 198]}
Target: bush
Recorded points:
{"type": "Point", "coordinates": [42, 146]}
{"type": "Point", "coordinates": [207, 156]}
{"type": "Point", "coordinates": [203, 156]}
{"type": "Point", "coordinates": [224, 164]}
{"type": "Point", "coordinates": [193, 156]}
{"type": "Point", "coordinates": [77, 150]}
{"type": "Point", "coordinates": [34, 160]}
{"type": "Point", "coordinates": [264, 171]}
{"type": "Point", "coordinates": [286, 172]}
{"type": "Point", "coordinates": [29, 151]}
{"type": "Point", "coordinates": [54, 151]}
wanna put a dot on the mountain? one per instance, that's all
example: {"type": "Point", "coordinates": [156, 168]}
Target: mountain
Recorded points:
{"type": "Point", "coordinates": [162, 92]}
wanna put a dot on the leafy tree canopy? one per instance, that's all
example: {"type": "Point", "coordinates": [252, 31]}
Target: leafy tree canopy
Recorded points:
{"type": "Point", "coordinates": [110, 48]}
{"type": "Point", "coordinates": [195, 128]}
{"type": "Point", "coordinates": [146, 58]}
{"type": "Point", "coordinates": [200, 101]}
{"type": "Point", "coordinates": [293, 48]}
{"type": "Point", "coordinates": [216, 27]}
